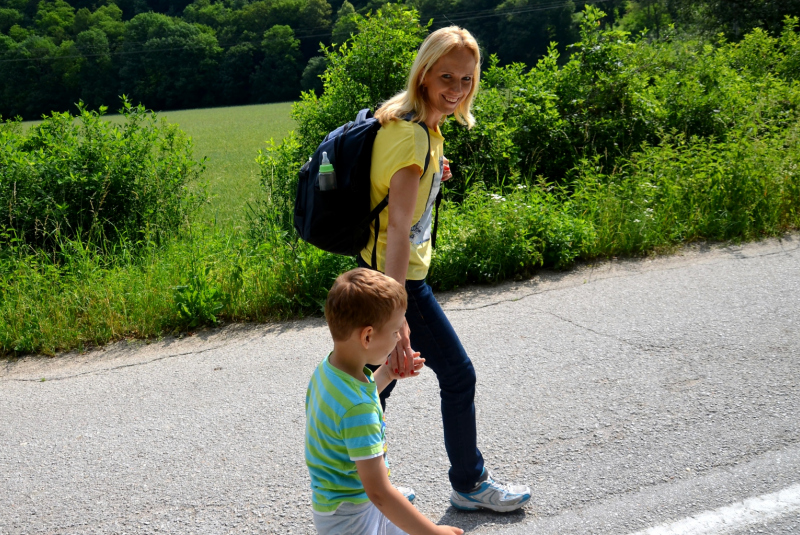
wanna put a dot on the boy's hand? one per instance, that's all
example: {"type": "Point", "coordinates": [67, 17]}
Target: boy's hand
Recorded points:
{"type": "Point", "coordinates": [449, 530]}
{"type": "Point", "coordinates": [418, 363]}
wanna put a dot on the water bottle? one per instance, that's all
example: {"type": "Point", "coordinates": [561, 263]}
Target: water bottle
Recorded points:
{"type": "Point", "coordinates": [327, 176]}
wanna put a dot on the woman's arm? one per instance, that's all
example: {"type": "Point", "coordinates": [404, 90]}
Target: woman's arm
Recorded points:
{"type": "Point", "coordinates": [403, 189]}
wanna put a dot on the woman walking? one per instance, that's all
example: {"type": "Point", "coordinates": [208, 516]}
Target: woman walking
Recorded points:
{"type": "Point", "coordinates": [442, 82]}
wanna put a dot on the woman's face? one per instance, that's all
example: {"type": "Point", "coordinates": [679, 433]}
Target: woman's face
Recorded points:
{"type": "Point", "coordinates": [449, 81]}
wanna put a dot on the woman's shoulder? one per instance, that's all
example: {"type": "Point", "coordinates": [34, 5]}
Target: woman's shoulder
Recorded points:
{"type": "Point", "coordinates": [398, 126]}
{"type": "Point", "coordinates": [401, 131]}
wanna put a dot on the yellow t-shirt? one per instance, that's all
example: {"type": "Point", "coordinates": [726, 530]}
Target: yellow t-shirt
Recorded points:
{"type": "Point", "coordinates": [398, 145]}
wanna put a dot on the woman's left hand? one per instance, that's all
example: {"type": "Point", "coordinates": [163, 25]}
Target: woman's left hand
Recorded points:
{"type": "Point", "coordinates": [401, 360]}
{"type": "Point", "coordinates": [418, 364]}
{"type": "Point", "coordinates": [446, 174]}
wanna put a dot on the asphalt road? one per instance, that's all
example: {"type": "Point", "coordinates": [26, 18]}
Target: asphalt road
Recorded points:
{"type": "Point", "coordinates": [637, 396]}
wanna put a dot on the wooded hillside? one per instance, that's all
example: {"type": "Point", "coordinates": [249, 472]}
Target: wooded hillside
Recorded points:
{"type": "Point", "coordinates": [172, 54]}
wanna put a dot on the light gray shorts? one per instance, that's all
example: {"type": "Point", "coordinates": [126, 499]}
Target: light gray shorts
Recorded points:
{"type": "Point", "coordinates": [351, 519]}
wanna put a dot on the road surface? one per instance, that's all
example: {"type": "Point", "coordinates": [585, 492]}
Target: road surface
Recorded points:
{"type": "Point", "coordinates": [647, 396]}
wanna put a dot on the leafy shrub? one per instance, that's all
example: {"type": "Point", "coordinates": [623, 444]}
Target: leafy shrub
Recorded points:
{"type": "Point", "coordinates": [693, 189]}
{"type": "Point", "coordinates": [279, 165]}
{"type": "Point", "coordinates": [492, 237]}
{"type": "Point", "coordinates": [89, 179]}
{"type": "Point", "coordinates": [629, 146]}
{"type": "Point", "coordinates": [616, 93]}
{"type": "Point", "coordinates": [365, 70]}
{"type": "Point", "coordinates": [198, 299]}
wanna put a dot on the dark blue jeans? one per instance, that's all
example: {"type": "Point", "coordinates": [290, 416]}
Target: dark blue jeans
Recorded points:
{"type": "Point", "coordinates": [434, 337]}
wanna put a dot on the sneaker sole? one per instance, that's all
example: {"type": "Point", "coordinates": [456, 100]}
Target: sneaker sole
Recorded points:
{"type": "Point", "coordinates": [491, 507]}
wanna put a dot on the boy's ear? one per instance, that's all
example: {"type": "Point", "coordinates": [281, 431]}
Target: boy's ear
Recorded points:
{"type": "Point", "coordinates": [366, 336]}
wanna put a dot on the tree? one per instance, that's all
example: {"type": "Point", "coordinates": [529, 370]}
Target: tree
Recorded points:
{"type": "Point", "coordinates": [215, 15]}
{"type": "Point", "coordinates": [98, 79]}
{"type": "Point", "coordinates": [359, 77]}
{"type": "Point", "coordinates": [237, 66]}
{"type": "Point", "coordinates": [55, 19]}
{"type": "Point", "coordinates": [737, 17]}
{"type": "Point", "coordinates": [346, 23]}
{"type": "Point", "coordinates": [277, 78]}
{"type": "Point", "coordinates": [31, 87]}
{"type": "Point", "coordinates": [652, 15]}
{"type": "Point", "coordinates": [8, 18]}
{"type": "Point", "coordinates": [312, 75]}
{"type": "Point", "coordinates": [524, 34]}
{"type": "Point", "coordinates": [169, 63]}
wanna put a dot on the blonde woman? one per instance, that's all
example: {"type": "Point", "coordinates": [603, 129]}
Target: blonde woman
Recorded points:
{"type": "Point", "coordinates": [442, 82]}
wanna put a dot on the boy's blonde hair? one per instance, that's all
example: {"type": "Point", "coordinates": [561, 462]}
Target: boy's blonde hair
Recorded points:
{"type": "Point", "coordinates": [360, 298]}
{"type": "Point", "coordinates": [413, 99]}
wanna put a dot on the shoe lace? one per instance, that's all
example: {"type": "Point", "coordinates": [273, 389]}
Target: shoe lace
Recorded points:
{"type": "Point", "coordinates": [497, 485]}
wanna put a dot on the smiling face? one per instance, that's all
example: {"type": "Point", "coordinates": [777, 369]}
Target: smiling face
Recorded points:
{"type": "Point", "coordinates": [448, 82]}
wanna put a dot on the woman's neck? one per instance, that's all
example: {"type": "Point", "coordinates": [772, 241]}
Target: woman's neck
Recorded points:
{"type": "Point", "coordinates": [432, 122]}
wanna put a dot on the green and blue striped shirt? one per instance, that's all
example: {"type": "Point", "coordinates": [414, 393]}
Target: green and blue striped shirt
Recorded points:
{"type": "Point", "coordinates": [344, 424]}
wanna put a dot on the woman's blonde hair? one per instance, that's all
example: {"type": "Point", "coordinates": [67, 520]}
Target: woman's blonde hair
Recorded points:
{"type": "Point", "coordinates": [414, 99]}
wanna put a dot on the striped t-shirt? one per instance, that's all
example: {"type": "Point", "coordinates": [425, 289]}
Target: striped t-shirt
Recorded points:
{"type": "Point", "coordinates": [344, 424]}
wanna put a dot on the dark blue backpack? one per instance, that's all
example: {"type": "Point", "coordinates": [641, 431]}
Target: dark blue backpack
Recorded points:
{"type": "Point", "coordinates": [338, 220]}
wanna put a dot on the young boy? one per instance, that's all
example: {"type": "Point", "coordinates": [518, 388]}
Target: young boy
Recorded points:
{"type": "Point", "coordinates": [344, 421]}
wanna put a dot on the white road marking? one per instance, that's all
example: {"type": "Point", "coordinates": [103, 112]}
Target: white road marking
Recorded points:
{"type": "Point", "coordinates": [733, 517]}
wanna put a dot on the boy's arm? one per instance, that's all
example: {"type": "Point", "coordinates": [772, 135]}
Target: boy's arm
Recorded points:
{"type": "Point", "coordinates": [384, 375]}
{"type": "Point", "coordinates": [393, 504]}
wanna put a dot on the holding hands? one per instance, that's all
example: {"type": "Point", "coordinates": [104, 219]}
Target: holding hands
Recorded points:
{"type": "Point", "coordinates": [417, 364]}
{"type": "Point", "coordinates": [402, 361]}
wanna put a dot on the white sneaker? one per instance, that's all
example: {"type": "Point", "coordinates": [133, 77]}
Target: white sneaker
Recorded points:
{"type": "Point", "coordinates": [490, 494]}
{"type": "Point", "coordinates": [408, 492]}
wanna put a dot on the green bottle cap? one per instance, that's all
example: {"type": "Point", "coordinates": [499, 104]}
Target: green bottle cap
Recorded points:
{"type": "Point", "coordinates": [325, 166]}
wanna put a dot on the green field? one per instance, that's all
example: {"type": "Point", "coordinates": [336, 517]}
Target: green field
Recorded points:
{"type": "Point", "coordinates": [230, 139]}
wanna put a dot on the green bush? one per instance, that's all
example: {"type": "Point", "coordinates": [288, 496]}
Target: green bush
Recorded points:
{"type": "Point", "coordinates": [491, 237]}
{"type": "Point", "coordinates": [628, 147]}
{"type": "Point", "coordinates": [88, 179]}
{"type": "Point", "coordinates": [365, 70]}
{"type": "Point", "coordinates": [686, 190]}
{"type": "Point", "coordinates": [616, 93]}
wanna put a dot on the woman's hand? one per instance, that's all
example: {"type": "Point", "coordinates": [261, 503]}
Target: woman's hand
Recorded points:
{"type": "Point", "coordinates": [401, 361]}
{"type": "Point", "coordinates": [419, 363]}
{"type": "Point", "coordinates": [446, 174]}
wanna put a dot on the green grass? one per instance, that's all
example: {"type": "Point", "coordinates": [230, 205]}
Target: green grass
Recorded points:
{"type": "Point", "coordinates": [682, 190]}
{"type": "Point", "coordinates": [230, 139]}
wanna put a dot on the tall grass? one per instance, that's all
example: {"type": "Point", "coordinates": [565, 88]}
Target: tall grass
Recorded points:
{"type": "Point", "coordinates": [679, 191]}
{"type": "Point", "coordinates": [85, 297]}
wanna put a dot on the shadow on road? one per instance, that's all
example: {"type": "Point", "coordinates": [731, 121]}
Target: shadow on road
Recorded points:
{"type": "Point", "coordinates": [471, 521]}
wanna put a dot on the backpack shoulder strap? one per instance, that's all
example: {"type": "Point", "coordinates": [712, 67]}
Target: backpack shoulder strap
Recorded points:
{"type": "Point", "coordinates": [408, 117]}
